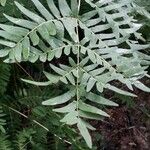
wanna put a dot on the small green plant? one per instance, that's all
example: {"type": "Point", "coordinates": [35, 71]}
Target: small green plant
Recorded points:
{"type": "Point", "coordinates": [100, 45]}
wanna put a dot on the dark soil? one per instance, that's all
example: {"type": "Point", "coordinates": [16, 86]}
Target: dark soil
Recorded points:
{"type": "Point", "coordinates": [128, 128]}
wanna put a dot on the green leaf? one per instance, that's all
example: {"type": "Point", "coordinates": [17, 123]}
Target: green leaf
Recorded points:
{"type": "Point", "coordinates": [34, 38]}
{"type": "Point", "coordinates": [29, 14]}
{"type": "Point", "coordinates": [64, 80]}
{"type": "Point", "coordinates": [72, 62]}
{"type": "Point", "coordinates": [21, 22]}
{"type": "Point", "coordinates": [98, 71]}
{"type": "Point", "coordinates": [60, 29]}
{"type": "Point", "coordinates": [75, 49]}
{"type": "Point", "coordinates": [74, 7]}
{"type": "Point", "coordinates": [8, 44]}
{"type": "Point", "coordinates": [45, 13]}
{"type": "Point", "coordinates": [3, 2]}
{"type": "Point", "coordinates": [39, 111]}
{"type": "Point", "coordinates": [91, 3]}
{"type": "Point", "coordinates": [115, 89]}
{"type": "Point", "coordinates": [33, 58]}
{"type": "Point", "coordinates": [67, 50]}
{"type": "Point", "coordinates": [19, 31]}
{"type": "Point", "coordinates": [58, 70]}
{"type": "Point", "coordinates": [51, 28]}
{"type": "Point", "coordinates": [66, 109]}
{"type": "Point", "coordinates": [64, 8]}
{"type": "Point", "coordinates": [53, 8]}
{"type": "Point", "coordinates": [60, 99]}
{"type": "Point", "coordinates": [89, 115]}
{"type": "Point", "coordinates": [142, 11]}
{"type": "Point", "coordinates": [58, 53]}
{"type": "Point", "coordinates": [18, 52]}
{"type": "Point", "coordinates": [37, 83]}
{"type": "Point", "coordinates": [4, 52]}
{"type": "Point", "coordinates": [99, 99]}
{"type": "Point", "coordinates": [70, 25]}
{"type": "Point", "coordinates": [43, 57]}
{"type": "Point", "coordinates": [9, 36]}
{"type": "Point", "coordinates": [90, 67]}
{"type": "Point", "coordinates": [84, 61]}
{"type": "Point", "coordinates": [100, 86]}
{"type": "Point", "coordinates": [44, 32]}
{"type": "Point", "coordinates": [91, 109]}
{"type": "Point", "coordinates": [26, 47]}
{"type": "Point", "coordinates": [85, 133]}
{"type": "Point", "coordinates": [70, 118]}
{"type": "Point", "coordinates": [92, 56]}
{"type": "Point", "coordinates": [89, 15]}
{"type": "Point", "coordinates": [141, 86]}
{"type": "Point", "coordinates": [70, 78]}
{"type": "Point", "coordinates": [51, 77]}
{"type": "Point", "coordinates": [85, 78]}
{"type": "Point", "coordinates": [11, 57]}
{"type": "Point", "coordinates": [90, 84]}
{"type": "Point", "coordinates": [51, 55]}
{"type": "Point", "coordinates": [133, 71]}
{"type": "Point", "coordinates": [88, 125]}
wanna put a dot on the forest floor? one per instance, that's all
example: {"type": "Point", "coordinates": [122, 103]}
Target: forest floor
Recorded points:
{"type": "Point", "coordinates": [129, 127]}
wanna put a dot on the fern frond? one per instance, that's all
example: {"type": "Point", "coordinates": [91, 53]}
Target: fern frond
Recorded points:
{"type": "Point", "coordinates": [4, 143]}
{"type": "Point", "coordinates": [4, 77]}
{"type": "Point", "coordinates": [24, 138]}
{"type": "Point", "coordinates": [107, 49]}
{"type": "Point", "coordinates": [2, 121]}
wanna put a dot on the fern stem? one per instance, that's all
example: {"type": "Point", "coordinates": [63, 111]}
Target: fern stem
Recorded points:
{"type": "Point", "coordinates": [38, 25]}
{"type": "Point", "coordinates": [25, 145]}
{"type": "Point", "coordinates": [79, 5]}
{"type": "Point", "coordinates": [28, 74]}
{"type": "Point", "coordinates": [36, 122]}
{"type": "Point", "coordinates": [78, 61]}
